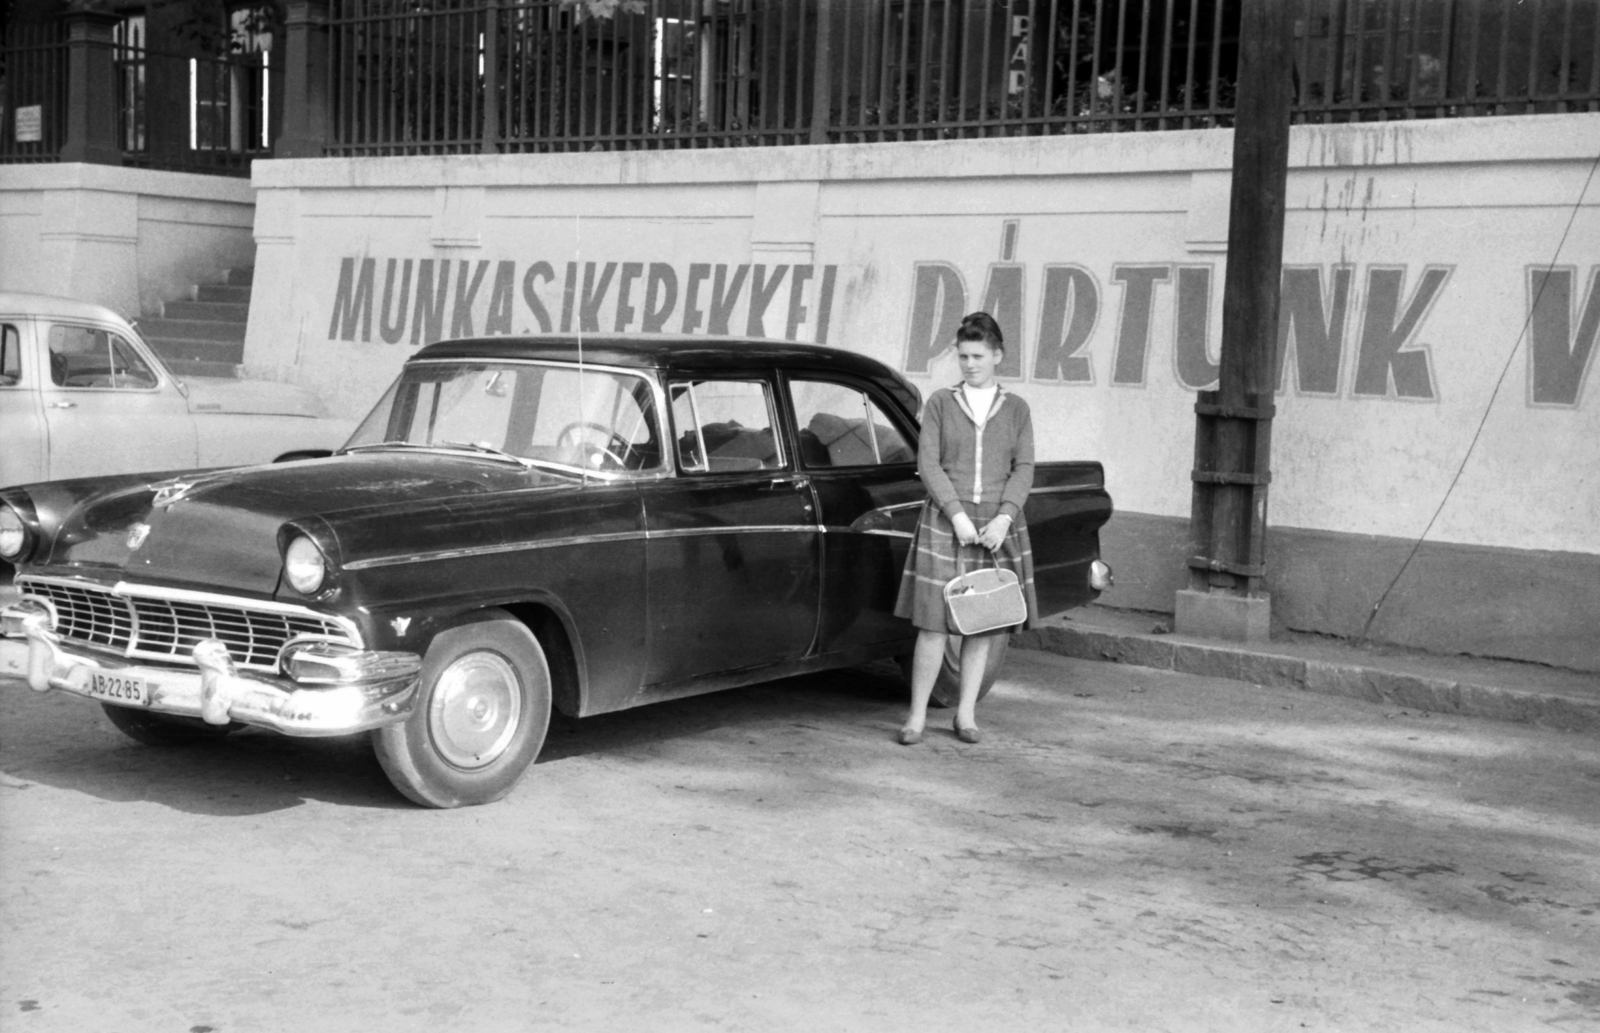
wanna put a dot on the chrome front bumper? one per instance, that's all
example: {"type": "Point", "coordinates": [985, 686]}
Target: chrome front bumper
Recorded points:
{"type": "Point", "coordinates": [331, 689]}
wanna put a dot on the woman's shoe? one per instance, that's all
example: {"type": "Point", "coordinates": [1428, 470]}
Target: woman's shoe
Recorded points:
{"type": "Point", "coordinates": [910, 736]}
{"type": "Point", "coordinates": [965, 734]}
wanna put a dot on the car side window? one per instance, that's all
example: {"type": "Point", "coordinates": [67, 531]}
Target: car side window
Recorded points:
{"type": "Point", "coordinates": [10, 356]}
{"type": "Point", "coordinates": [723, 425]}
{"type": "Point", "coordinates": [843, 426]}
{"type": "Point", "coordinates": [86, 356]}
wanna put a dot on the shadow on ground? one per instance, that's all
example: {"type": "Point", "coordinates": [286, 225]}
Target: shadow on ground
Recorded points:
{"type": "Point", "coordinates": [69, 744]}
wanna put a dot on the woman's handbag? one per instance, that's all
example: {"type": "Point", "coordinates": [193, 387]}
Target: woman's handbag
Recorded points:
{"type": "Point", "coordinates": [984, 600]}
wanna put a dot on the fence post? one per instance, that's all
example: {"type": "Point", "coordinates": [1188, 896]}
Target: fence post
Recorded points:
{"type": "Point", "coordinates": [307, 117]}
{"type": "Point", "coordinates": [490, 143]}
{"type": "Point", "coordinates": [91, 90]}
{"type": "Point", "coordinates": [822, 71]}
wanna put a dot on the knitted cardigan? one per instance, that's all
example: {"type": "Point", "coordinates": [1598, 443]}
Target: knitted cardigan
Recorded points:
{"type": "Point", "coordinates": [960, 467]}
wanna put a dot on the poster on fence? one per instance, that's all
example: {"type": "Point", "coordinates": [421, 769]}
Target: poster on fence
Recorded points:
{"type": "Point", "coordinates": [30, 124]}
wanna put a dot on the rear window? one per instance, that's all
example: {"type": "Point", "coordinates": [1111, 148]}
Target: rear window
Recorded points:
{"type": "Point", "coordinates": [10, 356]}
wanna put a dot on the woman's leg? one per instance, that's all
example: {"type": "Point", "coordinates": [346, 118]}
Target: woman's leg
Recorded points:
{"type": "Point", "coordinates": [926, 660]}
{"type": "Point", "coordinates": [974, 658]}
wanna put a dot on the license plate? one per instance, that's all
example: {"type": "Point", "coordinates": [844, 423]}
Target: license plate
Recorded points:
{"type": "Point", "coordinates": [119, 688]}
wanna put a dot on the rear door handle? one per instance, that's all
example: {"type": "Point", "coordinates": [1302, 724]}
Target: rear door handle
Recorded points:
{"type": "Point", "coordinates": [799, 483]}
{"type": "Point", "coordinates": [63, 405]}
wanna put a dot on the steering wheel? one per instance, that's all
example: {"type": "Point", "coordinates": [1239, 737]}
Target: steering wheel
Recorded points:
{"type": "Point", "coordinates": [613, 449]}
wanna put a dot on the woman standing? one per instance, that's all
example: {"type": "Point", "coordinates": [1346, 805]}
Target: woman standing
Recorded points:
{"type": "Point", "coordinates": [975, 457]}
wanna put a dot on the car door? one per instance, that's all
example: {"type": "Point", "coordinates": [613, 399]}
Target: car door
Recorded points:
{"type": "Point", "coordinates": [732, 548]}
{"type": "Point", "coordinates": [22, 425]}
{"type": "Point", "coordinates": [860, 454]}
{"type": "Point", "coordinates": [108, 407]}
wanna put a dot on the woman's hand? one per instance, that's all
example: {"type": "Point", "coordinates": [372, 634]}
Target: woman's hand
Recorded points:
{"type": "Point", "coordinates": [994, 532]}
{"type": "Point", "coordinates": [966, 532]}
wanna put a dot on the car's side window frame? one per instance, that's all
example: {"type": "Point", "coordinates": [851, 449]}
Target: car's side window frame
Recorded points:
{"type": "Point", "coordinates": [113, 334]}
{"type": "Point", "coordinates": [907, 431]}
{"type": "Point", "coordinates": [672, 378]}
{"type": "Point", "coordinates": [11, 346]}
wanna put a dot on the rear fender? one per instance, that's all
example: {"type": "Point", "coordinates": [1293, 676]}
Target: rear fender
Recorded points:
{"type": "Point", "coordinates": [1064, 514]}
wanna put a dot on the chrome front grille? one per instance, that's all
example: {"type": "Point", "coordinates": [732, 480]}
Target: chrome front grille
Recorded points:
{"type": "Point", "coordinates": [91, 616]}
{"type": "Point", "coordinates": [156, 624]}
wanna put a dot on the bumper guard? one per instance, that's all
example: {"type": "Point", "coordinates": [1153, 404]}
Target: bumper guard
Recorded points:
{"type": "Point", "coordinates": [330, 689]}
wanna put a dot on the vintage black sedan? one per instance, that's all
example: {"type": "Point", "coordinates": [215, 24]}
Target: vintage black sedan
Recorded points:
{"type": "Point", "coordinates": [520, 524]}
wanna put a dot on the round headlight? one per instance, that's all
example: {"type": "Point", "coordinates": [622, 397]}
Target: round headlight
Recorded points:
{"type": "Point", "coordinates": [304, 566]}
{"type": "Point", "coordinates": [13, 534]}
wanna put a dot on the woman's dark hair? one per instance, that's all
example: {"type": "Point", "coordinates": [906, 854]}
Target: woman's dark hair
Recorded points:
{"type": "Point", "coordinates": [980, 326]}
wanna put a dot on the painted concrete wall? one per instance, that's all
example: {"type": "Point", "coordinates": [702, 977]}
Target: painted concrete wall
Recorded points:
{"type": "Point", "coordinates": [1441, 305]}
{"type": "Point", "coordinates": [128, 239]}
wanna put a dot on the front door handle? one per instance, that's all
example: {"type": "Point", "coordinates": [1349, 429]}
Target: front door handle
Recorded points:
{"type": "Point", "coordinates": [63, 405]}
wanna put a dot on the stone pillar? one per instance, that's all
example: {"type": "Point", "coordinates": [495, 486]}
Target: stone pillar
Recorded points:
{"type": "Point", "coordinates": [89, 240]}
{"type": "Point", "coordinates": [307, 118]}
{"type": "Point", "coordinates": [783, 239]}
{"type": "Point", "coordinates": [91, 90]}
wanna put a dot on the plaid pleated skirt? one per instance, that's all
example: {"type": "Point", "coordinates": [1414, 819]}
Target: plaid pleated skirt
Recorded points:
{"type": "Point", "coordinates": [936, 557]}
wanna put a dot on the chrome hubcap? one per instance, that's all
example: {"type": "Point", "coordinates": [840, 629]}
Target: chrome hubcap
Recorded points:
{"type": "Point", "coordinates": [476, 709]}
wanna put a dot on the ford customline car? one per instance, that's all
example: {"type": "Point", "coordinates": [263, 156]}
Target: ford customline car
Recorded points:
{"type": "Point", "coordinates": [82, 395]}
{"type": "Point", "coordinates": [520, 524]}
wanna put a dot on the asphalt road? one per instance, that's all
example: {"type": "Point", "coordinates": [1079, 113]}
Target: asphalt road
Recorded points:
{"type": "Point", "coordinates": [1128, 849]}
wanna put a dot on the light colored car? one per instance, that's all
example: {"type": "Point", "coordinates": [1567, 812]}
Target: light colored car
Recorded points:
{"type": "Point", "coordinates": [81, 395]}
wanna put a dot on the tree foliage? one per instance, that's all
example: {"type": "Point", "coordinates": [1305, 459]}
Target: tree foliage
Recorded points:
{"type": "Point", "coordinates": [604, 8]}
{"type": "Point", "coordinates": [207, 27]}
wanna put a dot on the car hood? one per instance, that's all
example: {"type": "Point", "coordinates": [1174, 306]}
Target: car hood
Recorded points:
{"type": "Point", "coordinates": [219, 530]}
{"type": "Point", "coordinates": [255, 397]}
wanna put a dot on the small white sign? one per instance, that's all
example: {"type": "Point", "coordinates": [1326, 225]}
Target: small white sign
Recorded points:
{"type": "Point", "coordinates": [30, 124]}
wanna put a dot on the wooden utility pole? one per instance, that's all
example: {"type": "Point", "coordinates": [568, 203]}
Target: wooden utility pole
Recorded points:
{"type": "Point", "coordinates": [1233, 425]}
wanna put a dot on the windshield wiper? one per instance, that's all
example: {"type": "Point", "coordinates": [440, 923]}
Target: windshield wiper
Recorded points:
{"type": "Point", "coordinates": [373, 445]}
{"type": "Point", "coordinates": [488, 450]}
{"type": "Point", "coordinates": [437, 446]}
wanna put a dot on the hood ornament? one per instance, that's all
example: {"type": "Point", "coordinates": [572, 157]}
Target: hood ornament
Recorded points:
{"type": "Point", "coordinates": [172, 492]}
{"type": "Point", "coordinates": [137, 534]}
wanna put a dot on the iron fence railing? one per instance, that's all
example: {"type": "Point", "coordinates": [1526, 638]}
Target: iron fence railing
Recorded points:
{"type": "Point", "coordinates": [507, 76]}
{"type": "Point", "coordinates": [499, 76]}
{"type": "Point", "coordinates": [1368, 60]}
{"type": "Point", "coordinates": [192, 114]}
{"type": "Point", "coordinates": [171, 111]}
{"type": "Point", "coordinates": [33, 92]}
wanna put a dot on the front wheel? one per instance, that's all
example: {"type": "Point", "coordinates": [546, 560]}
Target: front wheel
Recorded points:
{"type": "Point", "coordinates": [947, 689]}
{"type": "Point", "coordinates": [155, 729]}
{"type": "Point", "coordinates": [482, 710]}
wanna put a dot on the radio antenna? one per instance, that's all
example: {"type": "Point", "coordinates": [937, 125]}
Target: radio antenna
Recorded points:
{"type": "Point", "coordinates": [583, 416]}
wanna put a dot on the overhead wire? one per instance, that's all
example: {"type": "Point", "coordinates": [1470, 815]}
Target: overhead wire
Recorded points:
{"type": "Point", "coordinates": [577, 269]}
{"type": "Point", "coordinates": [1516, 346]}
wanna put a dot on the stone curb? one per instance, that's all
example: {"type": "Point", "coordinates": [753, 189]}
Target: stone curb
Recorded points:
{"type": "Point", "coordinates": [1257, 666]}
{"type": "Point", "coordinates": [1437, 694]}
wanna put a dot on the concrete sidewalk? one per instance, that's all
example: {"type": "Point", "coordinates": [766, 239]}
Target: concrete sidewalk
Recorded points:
{"type": "Point", "coordinates": [1504, 690]}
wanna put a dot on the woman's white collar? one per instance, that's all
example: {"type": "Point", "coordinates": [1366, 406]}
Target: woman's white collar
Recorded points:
{"type": "Point", "coordinates": [1000, 393]}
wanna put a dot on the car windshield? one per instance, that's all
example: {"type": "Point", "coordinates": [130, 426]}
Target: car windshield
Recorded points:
{"type": "Point", "coordinates": [545, 414]}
